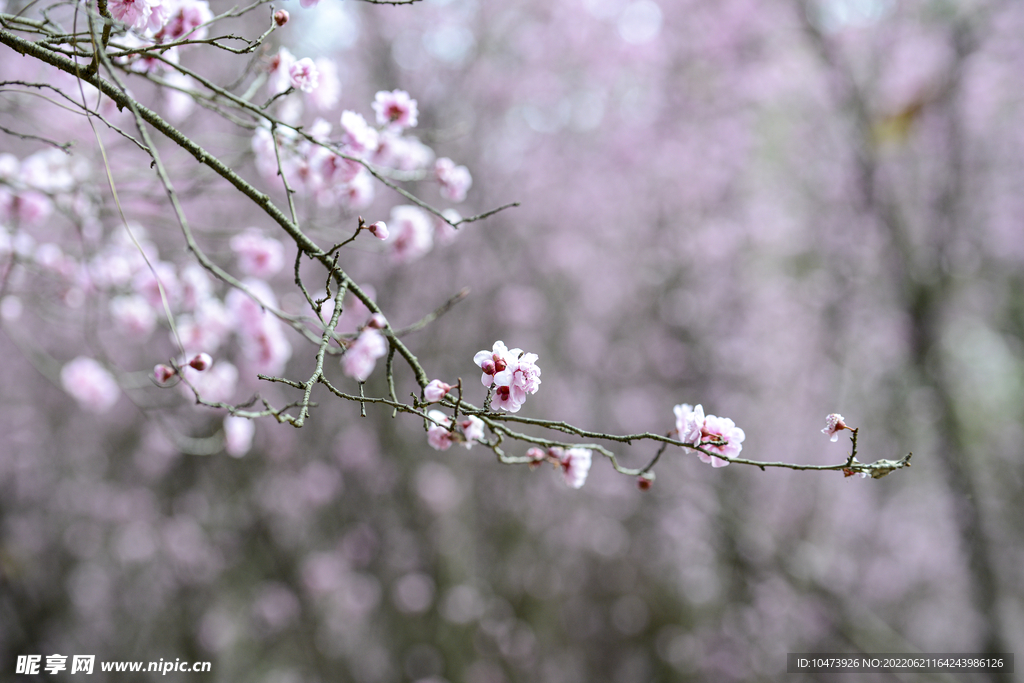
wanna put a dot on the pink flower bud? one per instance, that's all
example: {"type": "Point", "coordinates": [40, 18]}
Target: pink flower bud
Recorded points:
{"type": "Point", "coordinates": [379, 230]}
{"type": "Point", "coordinates": [281, 17]}
{"type": "Point", "coordinates": [377, 322]}
{"type": "Point", "coordinates": [163, 373]}
{"type": "Point", "coordinates": [644, 483]}
{"type": "Point", "coordinates": [436, 390]}
{"type": "Point", "coordinates": [201, 361]}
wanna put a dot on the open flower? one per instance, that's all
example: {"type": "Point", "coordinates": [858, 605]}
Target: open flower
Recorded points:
{"type": "Point", "coordinates": [834, 423]}
{"type": "Point", "coordinates": [710, 432]}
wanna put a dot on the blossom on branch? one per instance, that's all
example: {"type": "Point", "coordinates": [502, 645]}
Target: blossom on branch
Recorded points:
{"type": "Point", "coordinates": [513, 373]}
{"type": "Point", "coordinates": [712, 433]}
{"type": "Point", "coordinates": [834, 423]}
{"type": "Point", "coordinates": [303, 75]}
{"type": "Point", "coordinates": [455, 180]}
{"type": "Point", "coordinates": [436, 390]}
{"type": "Point", "coordinates": [395, 109]}
{"type": "Point", "coordinates": [411, 235]}
{"type": "Point", "coordinates": [575, 466]}
{"type": "Point", "coordinates": [362, 354]}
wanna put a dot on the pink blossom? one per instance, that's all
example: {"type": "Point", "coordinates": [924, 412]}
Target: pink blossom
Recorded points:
{"type": "Point", "coordinates": [513, 372]}
{"type": "Point", "coordinates": [238, 435]}
{"type": "Point", "coordinates": [279, 69]}
{"type": "Point", "coordinates": [358, 193]}
{"type": "Point", "coordinates": [185, 17]}
{"type": "Point", "coordinates": [435, 391]}
{"type": "Point", "coordinates": [377, 321]}
{"type": "Point", "coordinates": [712, 433]}
{"type": "Point", "coordinates": [411, 235]}
{"type": "Point", "coordinates": [438, 436]}
{"type": "Point", "coordinates": [281, 17]}
{"type": "Point", "coordinates": [196, 287]}
{"type": "Point", "coordinates": [260, 333]}
{"type": "Point", "coordinates": [395, 109]}
{"type": "Point", "coordinates": [379, 230]}
{"type": "Point", "coordinates": [134, 13]}
{"type": "Point", "coordinates": [258, 255]}
{"type": "Point", "coordinates": [334, 168]}
{"type": "Point", "coordinates": [472, 429]}
{"type": "Point", "coordinates": [362, 354]}
{"type": "Point", "coordinates": [455, 180]}
{"type": "Point", "coordinates": [492, 362]}
{"type": "Point", "coordinates": [163, 373]}
{"type": "Point", "coordinates": [834, 423]}
{"type": "Point", "coordinates": [90, 384]}
{"type": "Point", "coordinates": [304, 75]}
{"type": "Point", "coordinates": [575, 466]}
{"type": "Point", "coordinates": [358, 136]}
{"type": "Point", "coordinates": [689, 422]}
{"type": "Point", "coordinates": [200, 362]}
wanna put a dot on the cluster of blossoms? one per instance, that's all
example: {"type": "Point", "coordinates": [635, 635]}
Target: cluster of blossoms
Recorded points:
{"type": "Point", "coordinates": [330, 170]}
{"type": "Point", "coordinates": [712, 433]}
{"type": "Point", "coordinates": [512, 373]}
{"type": "Point", "coordinates": [160, 22]}
{"type": "Point", "coordinates": [442, 433]}
{"type": "Point", "coordinates": [574, 463]}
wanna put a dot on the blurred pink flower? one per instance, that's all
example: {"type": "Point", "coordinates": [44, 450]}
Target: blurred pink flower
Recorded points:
{"type": "Point", "coordinates": [379, 230]}
{"type": "Point", "coordinates": [90, 384]}
{"type": "Point", "coordinates": [395, 109]}
{"type": "Point", "coordinates": [258, 255]}
{"type": "Point", "coordinates": [362, 354]}
{"type": "Point", "coordinates": [279, 70]}
{"type": "Point", "coordinates": [455, 180]}
{"type": "Point", "coordinates": [185, 17]}
{"type": "Point", "coordinates": [438, 436]}
{"type": "Point", "coordinates": [411, 234]}
{"type": "Point", "coordinates": [575, 466]}
{"type": "Point", "coordinates": [238, 435]}
{"type": "Point", "coordinates": [359, 137]}
{"type": "Point", "coordinates": [304, 75]}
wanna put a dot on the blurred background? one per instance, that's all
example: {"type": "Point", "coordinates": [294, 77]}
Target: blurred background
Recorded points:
{"type": "Point", "coordinates": [776, 209]}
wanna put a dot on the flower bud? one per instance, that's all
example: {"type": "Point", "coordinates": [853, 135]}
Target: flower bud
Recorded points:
{"type": "Point", "coordinates": [201, 361]}
{"type": "Point", "coordinates": [281, 17]}
{"type": "Point", "coordinates": [163, 373]}
{"type": "Point", "coordinates": [379, 230]}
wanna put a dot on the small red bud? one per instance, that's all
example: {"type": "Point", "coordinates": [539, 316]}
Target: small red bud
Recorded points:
{"type": "Point", "coordinates": [201, 361]}
{"type": "Point", "coordinates": [643, 483]}
{"type": "Point", "coordinates": [163, 373]}
{"type": "Point", "coordinates": [281, 17]}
